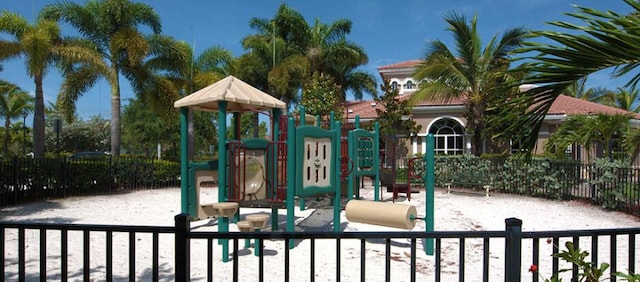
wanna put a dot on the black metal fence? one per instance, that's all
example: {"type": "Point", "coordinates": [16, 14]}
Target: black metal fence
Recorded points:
{"type": "Point", "coordinates": [26, 180]}
{"type": "Point", "coordinates": [613, 186]}
{"type": "Point", "coordinates": [38, 251]}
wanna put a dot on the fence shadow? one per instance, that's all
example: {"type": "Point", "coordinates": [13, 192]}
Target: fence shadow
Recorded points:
{"type": "Point", "coordinates": [31, 209]}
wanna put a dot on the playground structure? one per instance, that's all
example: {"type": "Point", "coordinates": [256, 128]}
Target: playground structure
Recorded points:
{"type": "Point", "coordinates": [256, 173]}
{"type": "Point", "coordinates": [399, 173]}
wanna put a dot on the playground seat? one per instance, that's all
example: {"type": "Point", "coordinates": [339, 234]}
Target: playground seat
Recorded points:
{"type": "Point", "coordinates": [258, 221]}
{"type": "Point", "coordinates": [244, 226]}
{"type": "Point", "coordinates": [222, 209]}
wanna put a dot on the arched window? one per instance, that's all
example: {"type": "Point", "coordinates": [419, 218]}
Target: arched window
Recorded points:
{"type": "Point", "coordinates": [410, 84]}
{"type": "Point", "coordinates": [449, 136]}
{"type": "Point", "coordinates": [394, 85]}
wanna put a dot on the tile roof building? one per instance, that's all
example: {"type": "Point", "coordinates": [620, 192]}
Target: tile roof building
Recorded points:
{"type": "Point", "coordinates": [445, 119]}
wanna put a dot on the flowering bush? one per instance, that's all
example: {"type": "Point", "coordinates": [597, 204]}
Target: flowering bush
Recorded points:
{"type": "Point", "coordinates": [588, 271]}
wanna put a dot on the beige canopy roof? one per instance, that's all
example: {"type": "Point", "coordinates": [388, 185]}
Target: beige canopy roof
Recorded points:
{"type": "Point", "coordinates": [239, 95]}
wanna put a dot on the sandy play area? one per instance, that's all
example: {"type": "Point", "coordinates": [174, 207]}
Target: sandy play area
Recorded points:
{"type": "Point", "coordinates": [158, 207]}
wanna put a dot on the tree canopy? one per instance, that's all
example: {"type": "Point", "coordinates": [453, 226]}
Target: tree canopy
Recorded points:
{"type": "Point", "coordinates": [605, 40]}
{"type": "Point", "coordinates": [469, 71]}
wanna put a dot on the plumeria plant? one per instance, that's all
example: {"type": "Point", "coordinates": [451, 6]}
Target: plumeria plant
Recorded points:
{"type": "Point", "coordinates": [588, 271]}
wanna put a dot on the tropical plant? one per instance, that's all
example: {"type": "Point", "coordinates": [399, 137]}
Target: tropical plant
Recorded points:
{"type": "Point", "coordinates": [605, 40]}
{"type": "Point", "coordinates": [111, 28]}
{"type": "Point", "coordinates": [246, 128]}
{"type": "Point", "coordinates": [143, 129]}
{"type": "Point", "coordinates": [278, 45]}
{"type": "Point", "coordinates": [77, 136]}
{"type": "Point", "coordinates": [42, 46]}
{"type": "Point", "coordinates": [320, 96]}
{"type": "Point", "coordinates": [471, 72]}
{"type": "Point", "coordinates": [580, 90]}
{"type": "Point", "coordinates": [330, 53]}
{"type": "Point", "coordinates": [295, 51]}
{"type": "Point", "coordinates": [631, 143]}
{"type": "Point", "coordinates": [172, 71]}
{"type": "Point", "coordinates": [587, 130]}
{"type": "Point", "coordinates": [14, 103]}
{"type": "Point", "coordinates": [392, 117]}
{"type": "Point", "coordinates": [587, 271]}
{"type": "Point", "coordinates": [623, 98]}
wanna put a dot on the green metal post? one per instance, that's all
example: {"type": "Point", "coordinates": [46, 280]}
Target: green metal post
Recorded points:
{"type": "Point", "coordinates": [236, 135]}
{"type": "Point", "coordinates": [336, 180]}
{"type": "Point", "coordinates": [274, 178]}
{"type": "Point", "coordinates": [352, 155]}
{"type": "Point", "coordinates": [358, 179]}
{"type": "Point", "coordinates": [184, 161]}
{"type": "Point", "coordinates": [376, 162]}
{"type": "Point", "coordinates": [353, 152]}
{"type": "Point", "coordinates": [332, 120]}
{"type": "Point", "coordinates": [291, 176]}
{"type": "Point", "coordinates": [429, 184]}
{"type": "Point", "coordinates": [303, 121]}
{"type": "Point", "coordinates": [223, 223]}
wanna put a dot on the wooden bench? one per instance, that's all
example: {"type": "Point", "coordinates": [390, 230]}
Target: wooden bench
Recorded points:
{"type": "Point", "coordinates": [475, 181]}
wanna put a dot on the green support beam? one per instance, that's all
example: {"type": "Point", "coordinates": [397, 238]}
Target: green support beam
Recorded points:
{"type": "Point", "coordinates": [429, 181]}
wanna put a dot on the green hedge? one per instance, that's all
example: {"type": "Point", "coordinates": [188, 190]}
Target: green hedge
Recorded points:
{"type": "Point", "coordinates": [24, 180]}
{"type": "Point", "coordinates": [612, 185]}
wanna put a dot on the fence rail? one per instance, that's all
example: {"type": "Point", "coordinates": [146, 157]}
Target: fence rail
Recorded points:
{"type": "Point", "coordinates": [608, 185]}
{"type": "Point", "coordinates": [612, 187]}
{"type": "Point", "coordinates": [26, 180]}
{"type": "Point", "coordinates": [182, 253]}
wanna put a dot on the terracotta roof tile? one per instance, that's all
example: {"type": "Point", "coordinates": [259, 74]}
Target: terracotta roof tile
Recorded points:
{"type": "Point", "coordinates": [401, 65]}
{"type": "Point", "coordinates": [563, 105]}
{"type": "Point", "coordinates": [365, 109]}
{"type": "Point", "coordinates": [566, 105]}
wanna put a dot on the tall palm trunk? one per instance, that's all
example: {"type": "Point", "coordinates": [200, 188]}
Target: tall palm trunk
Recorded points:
{"type": "Point", "coordinates": [476, 125]}
{"type": "Point", "coordinates": [115, 111]}
{"type": "Point", "coordinates": [5, 147]}
{"type": "Point", "coordinates": [191, 148]}
{"type": "Point", "coordinates": [38, 119]}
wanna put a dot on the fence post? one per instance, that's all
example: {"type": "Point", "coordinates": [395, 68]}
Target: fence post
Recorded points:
{"type": "Point", "coordinates": [513, 249]}
{"type": "Point", "coordinates": [182, 248]}
{"type": "Point", "coordinates": [15, 179]}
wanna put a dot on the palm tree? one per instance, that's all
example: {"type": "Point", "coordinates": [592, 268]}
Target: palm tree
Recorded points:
{"type": "Point", "coordinates": [278, 45]}
{"type": "Point", "coordinates": [631, 142]}
{"type": "Point", "coordinates": [112, 28]}
{"type": "Point", "coordinates": [587, 130]}
{"type": "Point", "coordinates": [471, 72]}
{"type": "Point", "coordinates": [606, 40]}
{"type": "Point", "coordinates": [330, 53]}
{"type": "Point", "coordinates": [14, 103]}
{"type": "Point", "coordinates": [42, 46]}
{"type": "Point", "coordinates": [580, 90]}
{"type": "Point", "coordinates": [295, 51]}
{"type": "Point", "coordinates": [172, 71]}
{"type": "Point", "coordinates": [623, 98]}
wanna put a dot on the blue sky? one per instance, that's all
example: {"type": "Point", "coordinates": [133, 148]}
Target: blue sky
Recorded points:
{"type": "Point", "coordinates": [389, 31]}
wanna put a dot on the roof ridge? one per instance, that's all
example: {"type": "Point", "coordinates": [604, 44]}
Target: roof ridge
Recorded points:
{"type": "Point", "coordinates": [403, 64]}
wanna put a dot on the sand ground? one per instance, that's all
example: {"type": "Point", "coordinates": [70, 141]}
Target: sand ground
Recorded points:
{"type": "Point", "coordinates": [453, 212]}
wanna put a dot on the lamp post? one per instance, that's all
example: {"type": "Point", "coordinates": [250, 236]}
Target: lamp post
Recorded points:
{"type": "Point", "coordinates": [24, 133]}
